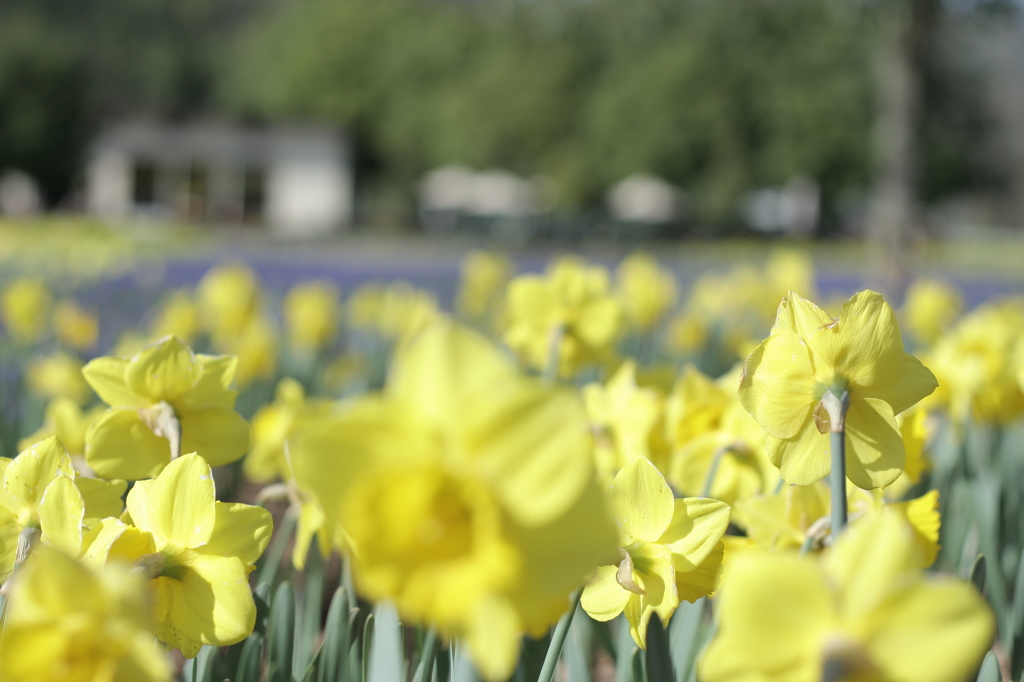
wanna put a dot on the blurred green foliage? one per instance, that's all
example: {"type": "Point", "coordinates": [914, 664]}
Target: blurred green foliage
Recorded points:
{"type": "Point", "coordinates": [718, 97]}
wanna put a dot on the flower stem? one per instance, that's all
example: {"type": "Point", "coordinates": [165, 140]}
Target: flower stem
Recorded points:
{"type": "Point", "coordinates": [554, 354]}
{"type": "Point", "coordinates": [836, 406]}
{"type": "Point", "coordinates": [547, 672]}
{"type": "Point", "coordinates": [709, 482]}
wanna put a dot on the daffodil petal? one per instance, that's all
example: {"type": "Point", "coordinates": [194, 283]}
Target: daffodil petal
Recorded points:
{"type": "Point", "coordinates": [445, 364]}
{"type": "Point", "coordinates": [798, 315]}
{"type": "Point", "coordinates": [642, 502]}
{"type": "Point", "coordinates": [801, 460]}
{"type": "Point", "coordinates": [865, 346]}
{"type": "Point", "coordinates": [102, 498]}
{"type": "Point", "coordinates": [61, 512]}
{"type": "Point", "coordinates": [874, 446]}
{"type": "Point", "coordinates": [493, 638]}
{"type": "Point", "coordinates": [936, 631]}
{"type": "Point", "coordinates": [241, 530]}
{"type": "Point", "coordinates": [106, 376]}
{"type": "Point", "coordinates": [164, 370]}
{"type": "Point", "coordinates": [905, 387]}
{"type": "Point", "coordinates": [773, 612]}
{"type": "Point", "coordinates": [532, 442]}
{"type": "Point", "coordinates": [119, 444]}
{"type": "Point", "coordinates": [210, 601]}
{"type": "Point", "coordinates": [27, 476]}
{"type": "Point", "coordinates": [214, 386]}
{"type": "Point", "coordinates": [872, 556]}
{"type": "Point", "coordinates": [777, 386]}
{"type": "Point", "coordinates": [219, 434]}
{"type": "Point", "coordinates": [698, 525]}
{"type": "Point", "coordinates": [604, 598]}
{"type": "Point", "coordinates": [703, 580]}
{"type": "Point", "coordinates": [181, 508]}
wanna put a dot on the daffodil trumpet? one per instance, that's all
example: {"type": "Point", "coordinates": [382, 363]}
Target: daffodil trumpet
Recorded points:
{"type": "Point", "coordinates": [834, 403]}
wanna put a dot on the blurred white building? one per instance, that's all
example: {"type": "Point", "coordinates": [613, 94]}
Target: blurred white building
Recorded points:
{"type": "Point", "coordinates": [293, 181]}
{"type": "Point", "coordinates": [449, 193]}
{"type": "Point", "coordinates": [644, 198]}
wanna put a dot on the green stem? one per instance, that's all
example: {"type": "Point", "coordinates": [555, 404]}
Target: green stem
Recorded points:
{"type": "Point", "coordinates": [547, 672]}
{"type": "Point", "coordinates": [426, 667]}
{"type": "Point", "coordinates": [836, 406]}
{"type": "Point", "coordinates": [709, 482]}
{"type": "Point", "coordinates": [554, 354]}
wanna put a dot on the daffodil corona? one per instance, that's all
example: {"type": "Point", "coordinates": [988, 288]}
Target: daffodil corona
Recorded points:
{"type": "Point", "coordinates": [810, 354]}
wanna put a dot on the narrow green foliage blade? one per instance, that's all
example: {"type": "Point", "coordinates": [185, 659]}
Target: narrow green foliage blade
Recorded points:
{"type": "Point", "coordinates": [249, 661]}
{"type": "Point", "coordinates": [336, 643]}
{"type": "Point", "coordinates": [659, 658]}
{"type": "Point", "coordinates": [312, 610]}
{"type": "Point", "coordinates": [426, 663]}
{"type": "Point", "coordinates": [683, 631]}
{"type": "Point", "coordinates": [386, 650]}
{"type": "Point", "coordinates": [978, 573]}
{"type": "Point", "coordinates": [369, 632]}
{"type": "Point", "coordinates": [270, 562]}
{"type": "Point", "coordinates": [281, 635]}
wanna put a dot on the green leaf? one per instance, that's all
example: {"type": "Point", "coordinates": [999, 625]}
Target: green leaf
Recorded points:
{"type": "Point", "coordinates": [625, 650]}
{"type": "Point", "coordinates": [683, 632]}
{"type": "Point", "coordinates": [281, 635]}
{"type": "Point", "coordinates": [249, 661]}
{"type": "Point", "coordinates": [426, 663]}
{"type": "Point", "coordinates": [659, 659]}
{"type": "Point", "coordinates": [386, 650]}
{"type": "Point", "coordinates": [989, 669]}
{"type": "Point", "coordinates": [311, 610]}
{"type": "Point", "coordinates": [270, 562]}
{"type": "Point", "coordinates": [334, 650]}
{"type": "Point", "coordinates": [978, 573]}
{"type": "Point", "coordinates": [369, 633]}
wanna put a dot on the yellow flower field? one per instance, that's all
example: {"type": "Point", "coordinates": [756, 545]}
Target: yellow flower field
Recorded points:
{"type": "Point", "coordinates": [611, 471]}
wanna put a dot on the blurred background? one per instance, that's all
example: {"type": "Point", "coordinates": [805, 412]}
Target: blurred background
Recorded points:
{"type": "Point", "coordinates": [522, 122]}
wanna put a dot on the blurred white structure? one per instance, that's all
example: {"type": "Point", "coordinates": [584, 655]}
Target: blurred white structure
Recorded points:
{"type": "Point", "coordinates": [19, 194]}
{"type": "Point", "coordinates": [645, 198]}
{"type": "Point", "coordinates": [295, 181]}
{"type": "Point", "coordinates": [450, 192]}
{"type": "Point", "coordinates": [792, 209]}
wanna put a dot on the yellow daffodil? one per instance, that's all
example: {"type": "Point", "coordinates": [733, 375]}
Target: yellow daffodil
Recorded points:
{"type": "Point", "coordinates": [930, 308]}
{"type": "Point", "coordinates": [24, 306]}
{"type": "Point", "coordinates": [482, 279]}
{"type": "Point", "coordinates": [65, 419]}
{"type": "Point", "coordinates": [809, 354]}
{"type": "Point", "coordinates": [164, 401]}
{"type": "Point", "coordinates": [310, 312]}
{"type": "Point", "coordinates": [864, 612]}
{"type": "Point", "coordinates": [255, 346]}
{"type": "Point", "coordinates": [568, 314]}
{"type": "Point", "coordinates": [670, 550]}
{"type": "Point", "coordinates": [57, 375]}
{"type": "Point", "coordinates": [647, 291]}
{"type": "Point", "coordinates": [178, 315]}
{"type": "Point", "coordinates": [697, 405]}
{"type": "Point", "coordinates": [730, 457]}
{"type": "Point", "coordinates": [797, 517]}
{"type": "Point", "coordinates": [271, 426]}
{"type": "Point", "coordinates": [68, 622]}
{"type": "Point", "coordinates": [396, 311]}
{"type": "Point", "coordinates": [978, 361]}
{"type": "Point", "coordinates": [687, 334]}
{"type": "Point", "coordinates": [627, 420]}
{"type": "Point", "coordinates": [74, 327]}
{"type": "Point", "coordinates": [228, 297]}
{"type": "Point", "coordinates": [197, 552]}
{"type": "Point", "coordinates": [466, 491]}
{"type": "Point", "coordinates": [42, 491]}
